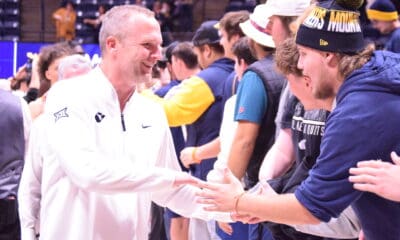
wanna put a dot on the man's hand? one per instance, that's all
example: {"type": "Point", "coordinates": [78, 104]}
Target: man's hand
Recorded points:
{"type": "Point", "coordinates": [245, 218]}
{"type": "Point", "coordinates": [381, 178]}
{"type": "Point", "coordinates": [221, 196]}
{"type": "Point", "coordinates": [188, 156]}
{"type": "Point", "coordinates": [225, 227]}
{"type": "Point", "coordinates": [183, 178]}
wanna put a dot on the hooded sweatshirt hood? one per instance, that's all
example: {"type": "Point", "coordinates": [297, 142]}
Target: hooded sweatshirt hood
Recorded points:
{"type": "Point", "coordinates": [376, 75]}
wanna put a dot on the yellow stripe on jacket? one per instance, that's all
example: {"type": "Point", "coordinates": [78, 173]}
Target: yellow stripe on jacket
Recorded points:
{"type": "Point", "coordinates": [185, 103]}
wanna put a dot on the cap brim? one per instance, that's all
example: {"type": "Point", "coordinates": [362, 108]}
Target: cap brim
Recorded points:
{"type": "Point", "coordinates": [259, 37]}
{"type": "Point", "coordinates": [281, 8]}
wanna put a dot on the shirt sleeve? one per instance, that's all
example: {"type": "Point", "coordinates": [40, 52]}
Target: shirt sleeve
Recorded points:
{"type": "Point", "coordinates": [29, 192]}
{"type": "Point", "coordinates": [27, 121]}
{"type": "Point", "coordinates": [251, 102]}
{"type": "Point", "coordinates": [287, 105]}
{"type": "Point", "coordinates": [187, 102]}
{"type": "Point", "coordinates": [181, 200]}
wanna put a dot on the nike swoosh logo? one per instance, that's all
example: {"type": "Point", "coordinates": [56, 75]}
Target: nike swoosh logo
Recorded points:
{"type": "Point", "coordinates": [145, 126]}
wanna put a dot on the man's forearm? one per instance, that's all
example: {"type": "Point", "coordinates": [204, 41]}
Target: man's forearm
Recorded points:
{"type": "Point", "coordinates": [239, 157]}
{"type": "Point", "coordinates": [285, 209]}
{"type": "Point", "coordinates": [242, 147]}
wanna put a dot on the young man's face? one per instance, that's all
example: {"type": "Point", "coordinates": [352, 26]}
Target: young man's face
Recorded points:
{"type": "Point", "coordinates": [314, 66]}
{"type": "Point", "coordinates": [176, 65]}
{"type": "Point", "coordinates": [52, 71]}
{"type": "Point", "coordinates": [300, 87]}
{"type": "Point", "coordinates": [384, 27]}
{"type": "Point", "coordinates": [138, 53]}
{"type": "Point", "coordinates": [277, 30]}
{"type": "Point", "coordinates": [240, 67]}
{"type": "Point", "coordinates": [201, 56]}
{"type": "Point", "coordinates": [227, 43]}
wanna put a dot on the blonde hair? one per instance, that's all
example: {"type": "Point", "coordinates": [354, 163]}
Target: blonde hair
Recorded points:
{"type": "Point", "coordinates": [286, 58]}
{"type": "Point", "coordinates": [115, 24]}
{"type": "Point", "coordinates": [294, 26]}
{"type": "Point", "coordinates": [349, 63]}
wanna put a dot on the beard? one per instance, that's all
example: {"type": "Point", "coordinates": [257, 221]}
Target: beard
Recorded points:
{"type": "Point", "coordinates": [323, 90]}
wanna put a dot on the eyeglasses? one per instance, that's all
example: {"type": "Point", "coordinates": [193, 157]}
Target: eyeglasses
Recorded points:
{"type": "Point", "coordinates": [161, 64]}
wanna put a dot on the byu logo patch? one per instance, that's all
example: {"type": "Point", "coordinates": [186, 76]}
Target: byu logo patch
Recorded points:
{"type": "Point", "coordinates": [99, 116]}
{"type": "Point", "coordinates": [60, 114]}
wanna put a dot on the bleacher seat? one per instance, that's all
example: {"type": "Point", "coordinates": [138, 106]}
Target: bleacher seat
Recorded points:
{"type": "Point", "coordinates": [87, 14]}
{"type": "Point", "coordinates": [11, 14]}
{"type": "Point", "coordinates": [88, 9]}
{"type": "Point", "coordinates": [10, 38]}
{"type": "Point", "coordinates": [108, 2]}
{"type": "Point", "coordinates": [11, 4]}
{"type": "Point", "coordinates": [10, 20]}
{"type": "Point", "coordinates": [11, 24]}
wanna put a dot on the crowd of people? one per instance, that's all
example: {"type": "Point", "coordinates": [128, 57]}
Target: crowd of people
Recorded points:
{"type": "Point", "coordinates": [173, 16]}
{"type": "Point", "coordinates": [280, 123]}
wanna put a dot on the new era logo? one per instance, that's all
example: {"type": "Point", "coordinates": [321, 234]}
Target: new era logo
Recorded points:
{"type": "Point", "coordinates": [322, 42]}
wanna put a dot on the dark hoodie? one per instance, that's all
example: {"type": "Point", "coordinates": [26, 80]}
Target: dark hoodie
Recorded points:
{"type": "Point", "coordinates": [363, 126]}
{"type": "Point", "coordinates": [206, 127]}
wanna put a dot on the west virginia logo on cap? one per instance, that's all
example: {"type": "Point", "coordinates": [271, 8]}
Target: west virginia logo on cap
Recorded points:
{"type": "Point", "coordinates": [322, 42]}
{"type": "Point", "coordinates": [333, 26]}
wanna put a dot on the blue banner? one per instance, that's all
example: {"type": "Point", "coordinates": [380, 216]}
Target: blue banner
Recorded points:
{"type": "Point", "coordinates": [13, 55]}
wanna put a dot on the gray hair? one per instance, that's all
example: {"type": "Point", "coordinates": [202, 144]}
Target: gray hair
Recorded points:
{"type": "Point", "coordinates": [115, 22]}
{"type": "Point", "coordinates": [73, 65]}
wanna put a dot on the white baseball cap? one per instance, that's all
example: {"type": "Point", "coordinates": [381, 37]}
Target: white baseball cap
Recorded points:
{"type": "Point", "coordinates": [287, 7]}
{"type": "Point", "coordinates": [256, 26]}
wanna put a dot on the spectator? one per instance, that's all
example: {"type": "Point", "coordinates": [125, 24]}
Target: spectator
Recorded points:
{"type": "Point", "coordinates": [72, 66]}
{"type": "Point", "coordinates": [345, 72]}
{"type": "Point", "coordinates": [182, 64]}
{"type": "Point", "coordinates": [183, 16]}
{"type": "Point", "coordinates": [230, 33]}
{"type": "Point", "coordinates": [31, 180]}
{"type": "Point", "coordinates": [162, 11]}
{"type": "Point", "coordinates": [256, 107]}
{"type": "Point", "coordinates": [19, 83]}
{"type": "Point", "coordinates": [385, 18]}
{"type": "Point", "coordinates": [65, 18]}
{"type": "Point", "coordinates": [96, 23]}
{"type": "Point", "coordinates": [15, 126]}
{"type": "Point", "coordinates": [308, 125]}
{"type": "Point", "coordinates": [198, 102]}
{"type": "Point", "coordinates": [47, 71]}
{"type": "Point", "coordinates": [26, 81]}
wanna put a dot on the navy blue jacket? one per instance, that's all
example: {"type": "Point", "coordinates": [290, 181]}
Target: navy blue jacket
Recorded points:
{"type": "Point", "coordinates": [363, 126]}
{"type": "Point", "coordinates": [206, 128]}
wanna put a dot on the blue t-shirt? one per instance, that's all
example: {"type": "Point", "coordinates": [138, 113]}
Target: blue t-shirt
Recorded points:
{"type": "Point", "coordinates": [251, 103]}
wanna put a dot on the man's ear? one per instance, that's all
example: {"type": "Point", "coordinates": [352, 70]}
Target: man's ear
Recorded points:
{"type": "Point", "coordinates": [47, 74]}
{"type": "Point", "coordinates": [207, 51]}
{"type": "Point", "coordinates": [331, 59]}
{"type": "Point", "coordinates": [242, 62]}
{"type": "Point", "coordinates": [235, 37]}
{"type": "Point", "coordinates": [111, 43]}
